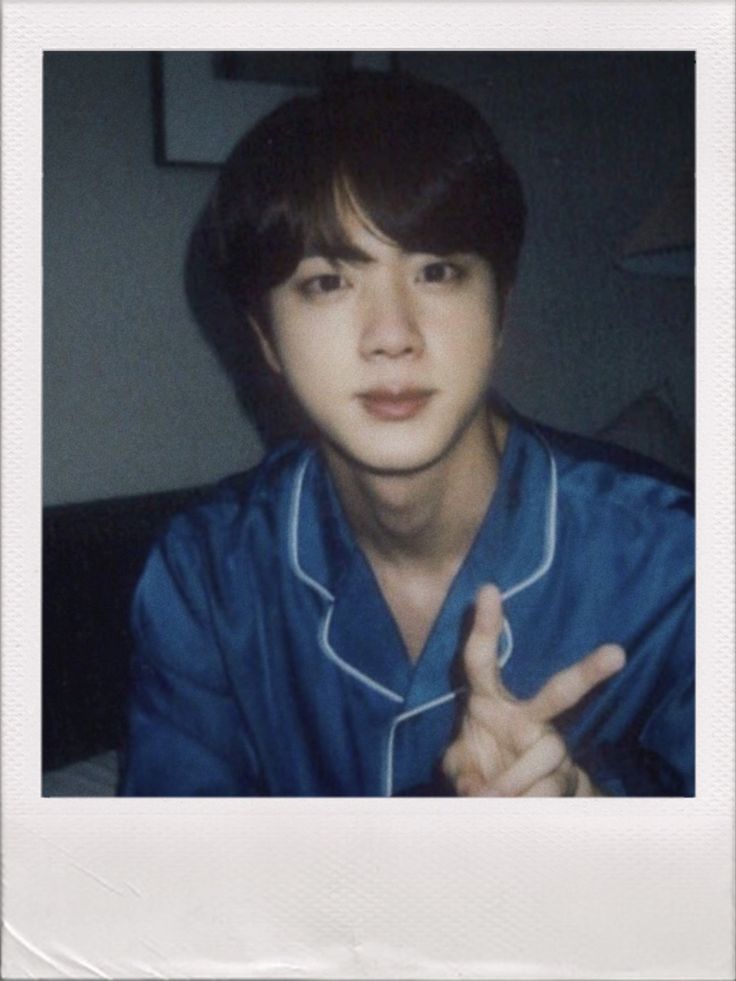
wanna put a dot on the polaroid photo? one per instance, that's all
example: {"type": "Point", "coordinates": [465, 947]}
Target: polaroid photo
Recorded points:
{"type": "Point", "coordinates": [368, 452]}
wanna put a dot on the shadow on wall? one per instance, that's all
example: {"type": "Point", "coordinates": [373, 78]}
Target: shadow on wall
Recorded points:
{"type": "Point", "coordinates": [261, 393]}
{"type": "Point", "coordinates": [650, 426]}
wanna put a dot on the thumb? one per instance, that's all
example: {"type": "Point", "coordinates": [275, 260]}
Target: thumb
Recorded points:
{"type": "Point", "coordinates": [479, 654]}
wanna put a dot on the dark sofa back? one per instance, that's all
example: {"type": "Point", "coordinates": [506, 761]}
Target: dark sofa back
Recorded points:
{"type": "Point", "coordinates": [93, 554]}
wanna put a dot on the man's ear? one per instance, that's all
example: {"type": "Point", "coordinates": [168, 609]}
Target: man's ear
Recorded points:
{"type": "Point", "coordinates": [267, 346]}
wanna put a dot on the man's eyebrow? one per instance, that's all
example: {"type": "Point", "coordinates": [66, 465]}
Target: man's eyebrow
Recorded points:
{"type": "Point", "coordinates": [339, 253]}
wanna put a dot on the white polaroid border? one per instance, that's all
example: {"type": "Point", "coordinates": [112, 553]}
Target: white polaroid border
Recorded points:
{"type": "Point", "coordinates": [328, 888]}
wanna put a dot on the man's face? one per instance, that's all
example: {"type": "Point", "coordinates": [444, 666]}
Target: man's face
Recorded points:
{"type": "Point", "coordinates": [388, 352]}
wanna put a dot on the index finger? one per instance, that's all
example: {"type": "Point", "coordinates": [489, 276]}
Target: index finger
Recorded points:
{"type": "Point", "coordinates": [566, 688]}
{"type": "Point", "coordinates": [479, 655]}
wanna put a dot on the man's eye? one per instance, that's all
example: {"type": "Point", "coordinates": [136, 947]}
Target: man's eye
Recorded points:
{"type": "Point", "coordinates": [440, 272]}
{"type": "Point", "coordinates": [322, 284]}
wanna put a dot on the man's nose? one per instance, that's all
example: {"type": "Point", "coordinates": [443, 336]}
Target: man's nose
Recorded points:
{"type": "Point", "coordinates": [390, 326]}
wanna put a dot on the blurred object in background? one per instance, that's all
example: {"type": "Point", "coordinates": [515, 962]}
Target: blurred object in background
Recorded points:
{"type": "Point", "coordinates": [663, 244]}
{"type": "Point", "coordinates": [650, 425]}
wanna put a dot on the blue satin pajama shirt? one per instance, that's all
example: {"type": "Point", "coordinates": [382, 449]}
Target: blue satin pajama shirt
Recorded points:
{"type": "Point", "coordinates": [267, 661]}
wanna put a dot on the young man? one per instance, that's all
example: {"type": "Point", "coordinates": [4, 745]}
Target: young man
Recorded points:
{"type": "Point", "coordinates": [430, 595]}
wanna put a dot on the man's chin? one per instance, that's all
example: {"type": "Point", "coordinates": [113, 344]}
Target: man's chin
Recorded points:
{"type": "Point", "coordinates": [400, 464]}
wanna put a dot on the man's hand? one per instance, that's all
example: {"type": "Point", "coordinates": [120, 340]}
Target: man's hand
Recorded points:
{"type": "Point", "coordinates": [507, 747]}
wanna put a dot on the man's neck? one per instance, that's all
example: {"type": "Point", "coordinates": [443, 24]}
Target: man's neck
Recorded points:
{"type": "Point", "coordinates": [428, 519]}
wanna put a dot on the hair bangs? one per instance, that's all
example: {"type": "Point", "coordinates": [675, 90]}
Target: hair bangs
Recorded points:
{"type": "Point", "coordinates": [414, 162]}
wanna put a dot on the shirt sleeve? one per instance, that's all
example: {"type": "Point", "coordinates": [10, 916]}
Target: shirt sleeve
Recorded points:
{"type": "Point", "coordinates": [186, 734]}
{"type": "Point", "coordinates": [644, 742]}
{"type": "Point", "coordinates": [668, 736]}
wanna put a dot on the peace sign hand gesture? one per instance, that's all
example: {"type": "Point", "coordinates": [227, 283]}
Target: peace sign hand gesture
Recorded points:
{"type": "Point", "coordinates": [507, 747]}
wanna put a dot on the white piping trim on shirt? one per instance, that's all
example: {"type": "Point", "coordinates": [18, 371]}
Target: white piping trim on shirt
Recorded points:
{"type": "Point", "coordinates": [329, 650]}
{"type": "Point", "coordinates": [296, 498]}
{"type": "Point", "coordinates": [506, 632]}
{"type": "Point", "coordinates": [550, 531]}
{"type": "Point", "coordinates": [324, 631]}
{"type": "Point", "coordinates": [550, 545]}
{"type": "Point", "coordinates": [389, 779]}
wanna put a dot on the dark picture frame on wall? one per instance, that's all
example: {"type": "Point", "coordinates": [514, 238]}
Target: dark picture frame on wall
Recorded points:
{"type": "Point", "coordinates": [205, 100]}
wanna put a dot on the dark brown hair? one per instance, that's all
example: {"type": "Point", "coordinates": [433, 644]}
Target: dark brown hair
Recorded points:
{"type": "Point", "coordinates": [418, 160]}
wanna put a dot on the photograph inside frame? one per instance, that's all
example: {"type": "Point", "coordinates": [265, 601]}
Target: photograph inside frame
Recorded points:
{"type": "Point", "coordinates": [368, 412]}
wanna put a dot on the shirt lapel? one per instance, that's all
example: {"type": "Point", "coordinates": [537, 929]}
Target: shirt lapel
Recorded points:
{"type": "Point", "coordinates": [513, 548]}
{"type": "Point", "coordinates": [357, 631]}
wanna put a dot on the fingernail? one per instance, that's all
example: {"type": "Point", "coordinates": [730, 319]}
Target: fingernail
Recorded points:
{"type": "Point", "coordinates": [488, 591]}
{"type": "Point", "coordinates": [614, 659]}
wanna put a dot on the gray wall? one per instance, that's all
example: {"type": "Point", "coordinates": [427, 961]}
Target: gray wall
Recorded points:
{"type": "Point", "coordinates": [135, 401]}
{"type": "Point", "coordinates": [133, 398]}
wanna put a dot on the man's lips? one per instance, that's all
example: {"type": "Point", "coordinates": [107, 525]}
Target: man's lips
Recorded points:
{"type": "Point", "coordinates": [395, 404]}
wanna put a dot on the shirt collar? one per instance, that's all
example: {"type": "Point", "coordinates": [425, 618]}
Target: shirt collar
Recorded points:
{"type": "Point", "coordinates": [514, 548]}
